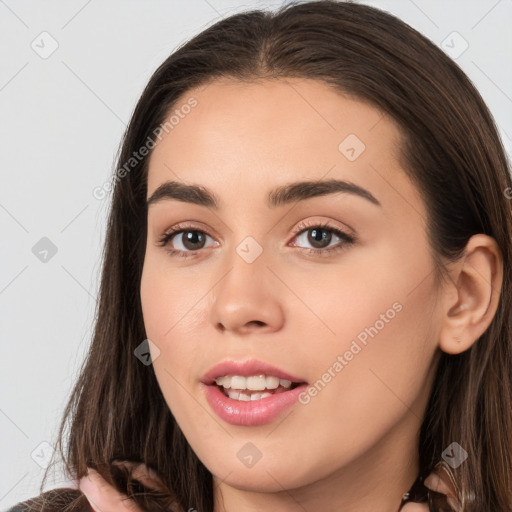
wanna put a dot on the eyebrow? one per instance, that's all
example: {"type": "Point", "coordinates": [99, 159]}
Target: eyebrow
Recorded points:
{"type": "Point", "coordinates": [282, 195]}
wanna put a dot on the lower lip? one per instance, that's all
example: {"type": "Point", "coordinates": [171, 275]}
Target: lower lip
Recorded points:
{"type": "Point", "coordinates": [257, 412]}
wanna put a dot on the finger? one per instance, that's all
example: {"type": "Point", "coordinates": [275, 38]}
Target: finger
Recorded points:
{"type": "Point", "coordinates": [441, 483]}
{"type": "Point", "coordinates": [146, 476]}
{"type": "Point", "coordinates": [103, 497]}
{"type": "Point", "coordinates": [415, 507]}
{"type": "Point", "coordinates": [437, 484]}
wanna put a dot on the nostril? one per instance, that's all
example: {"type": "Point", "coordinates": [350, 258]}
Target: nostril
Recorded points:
{"type": "Point", "coordinates": [257, 322]}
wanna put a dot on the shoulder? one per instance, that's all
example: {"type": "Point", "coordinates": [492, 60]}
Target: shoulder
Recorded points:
{"type": "Point", "coordinates": [55, 500]}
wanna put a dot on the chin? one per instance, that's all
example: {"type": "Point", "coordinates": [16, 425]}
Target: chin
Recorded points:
{"type": "Point", "coordinates": [260, 481]}
{"type": "Point", "coordinates": [268, 476]}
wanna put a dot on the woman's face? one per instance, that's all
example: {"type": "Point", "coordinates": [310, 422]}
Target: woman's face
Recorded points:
{"type": "Point", "coordinates": [351, 316]}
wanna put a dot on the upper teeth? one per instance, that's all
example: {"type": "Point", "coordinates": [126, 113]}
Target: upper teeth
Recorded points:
{"type": "Point", "coordinates": [253, 382]}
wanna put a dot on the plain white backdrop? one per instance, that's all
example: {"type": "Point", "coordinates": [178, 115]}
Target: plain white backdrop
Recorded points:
{"type": "Point", "coordinates": [70, 75]}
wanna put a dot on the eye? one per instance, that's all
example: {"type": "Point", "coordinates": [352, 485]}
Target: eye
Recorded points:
{"type": "Point", "coordinates": [188, 238]}
{"type": "Point", "coordinates": [320, 235]}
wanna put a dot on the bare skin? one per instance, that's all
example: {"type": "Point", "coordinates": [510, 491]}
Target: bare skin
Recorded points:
{"type": "Point", "coordinates": [104, 498]}
{"type": "Point", "coordinates": [353, 446]}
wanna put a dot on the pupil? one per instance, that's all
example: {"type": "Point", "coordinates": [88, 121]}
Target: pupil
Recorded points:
{"type": "Point", "coordinates": [192, 238]}
{"type": "Point", "coordinates": [318, 237]}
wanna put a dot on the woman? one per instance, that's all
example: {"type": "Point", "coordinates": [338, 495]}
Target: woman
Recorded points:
{"type": "Point", "coordinates": [306, 292]}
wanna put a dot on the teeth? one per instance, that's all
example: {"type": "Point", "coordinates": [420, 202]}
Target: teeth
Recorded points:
{"type": "Point", "coordinates": [254, 387]}
{"type": "Point", "coordinates": [224, 381]}
{"type": "Point", "coordinates": [252, 383]}
{"type": "Point", "coordinates": [258, 396]}
{"type": "Point", "coordinates": [272, 382]}
{"type": "Point", "coordinates": [246, 397]}
{"type": "Point", "coordinates": [238, 382]}
{"type": "Point", "coordinates": [233, 394]}
{"type": "Point", "coordinates": [256, 383]}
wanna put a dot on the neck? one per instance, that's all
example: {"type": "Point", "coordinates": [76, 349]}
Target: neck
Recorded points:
{"type": "Point", "coordinates": [374, 481]}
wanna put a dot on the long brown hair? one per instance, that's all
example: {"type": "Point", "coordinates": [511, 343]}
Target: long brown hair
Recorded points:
{"type": "Point", "coordinates": [451, 151]}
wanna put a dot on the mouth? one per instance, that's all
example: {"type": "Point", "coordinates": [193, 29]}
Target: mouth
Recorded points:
{"type": "Point", "coordinates": [253, 387]}
{"type": "Point", "coordinates": [250, 393]}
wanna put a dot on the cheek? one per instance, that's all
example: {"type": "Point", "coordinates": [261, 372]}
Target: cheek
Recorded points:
{"type": "Point", "coordinates": [169, 324]}
{"type": "Point", "coordinates": [171, 299]}
{"type": "Point", "coordinates": [376, 384]}
{"type": "Point", "coordinates": [173, 308]}
{"type": "Point", "coordinates": [380, 297]}
{"type": "Point", "coordinates": [374, 365]}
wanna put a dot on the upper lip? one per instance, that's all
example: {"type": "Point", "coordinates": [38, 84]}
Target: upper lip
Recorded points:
{"type": "Point", "coordinates": [246, 368]}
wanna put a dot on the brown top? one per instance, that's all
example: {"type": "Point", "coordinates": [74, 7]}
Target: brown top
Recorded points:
{"type": "Point", "coordinates": [62, 499]}
{"type": "Point", "coordinates": [73, 500]}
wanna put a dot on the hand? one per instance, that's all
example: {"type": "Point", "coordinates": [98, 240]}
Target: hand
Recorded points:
{"type": "Point", "coordinates": [440, 482]}
{"type": "Point", "coordinates": [415, 507]}
{"type": "Point", "coordinates": [105, 498]}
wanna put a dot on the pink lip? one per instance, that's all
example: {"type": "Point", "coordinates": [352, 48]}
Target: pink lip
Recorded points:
{"type": "Point", "coordinates": [246, 368]}
{"type": "Point", "coordinates": [257, 412]}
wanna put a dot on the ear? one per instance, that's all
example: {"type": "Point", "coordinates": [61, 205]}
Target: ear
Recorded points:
{"type": "Point", "coordinates": [471, 298]}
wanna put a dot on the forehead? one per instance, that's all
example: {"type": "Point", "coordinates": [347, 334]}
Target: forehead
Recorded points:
{"type": "Point", "coordinates": [287, 111]}
{"type": "Point", "coordinates": [241, 134]}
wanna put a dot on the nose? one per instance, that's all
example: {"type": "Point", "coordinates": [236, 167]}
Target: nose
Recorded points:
{"type": "Point", "coordinates": [247, 298]}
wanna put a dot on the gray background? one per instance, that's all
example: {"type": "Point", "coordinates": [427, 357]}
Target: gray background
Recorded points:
{"type": "Point", "coordinates": [62, 117]}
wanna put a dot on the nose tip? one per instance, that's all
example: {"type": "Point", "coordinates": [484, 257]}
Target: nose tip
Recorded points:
{"type": "Point", "coordinates": [244, 300]}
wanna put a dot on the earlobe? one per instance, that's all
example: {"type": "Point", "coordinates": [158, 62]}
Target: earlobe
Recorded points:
{"type": "Point", "coordinates": [472, 296]}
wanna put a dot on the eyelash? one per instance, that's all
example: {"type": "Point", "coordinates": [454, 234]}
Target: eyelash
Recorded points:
{"type": "Point", "coordinates": [347, 239]}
